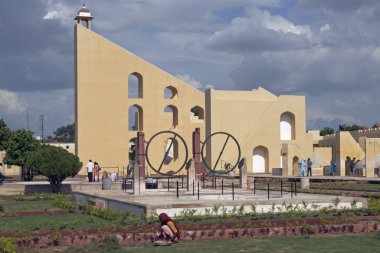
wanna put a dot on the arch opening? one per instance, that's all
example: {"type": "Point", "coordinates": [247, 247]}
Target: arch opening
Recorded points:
{"type": "Point", "coordinates": [135, 85]}
{"type": "Point", "coordinates": [172, 109]}
{"type": "Point", "coordinates": [287, 126]}
{"type": "Point", "coordinates": [170, 92]}
{"type": "Point", "coordinates": [260, 160]}
{"type": "Point", "coordinates": [172, 147]}
{"type": "Point", "coordinates": [197, 113]}
{"type": "Point", "coordinates": [135, 118]}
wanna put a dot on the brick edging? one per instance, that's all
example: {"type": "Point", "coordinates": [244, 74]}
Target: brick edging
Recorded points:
{"type": "Point", "coordinates": [133, 238]}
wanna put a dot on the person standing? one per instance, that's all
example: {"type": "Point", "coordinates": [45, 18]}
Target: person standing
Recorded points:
{"type": "Point", "coordinates": [90, 170]}
{"type": "Point", "coordinates": [332, 167]}
{"type": "Point", "coordinates": [1, 174]}
{"type": "Point", "coordinates": [309, 164]}
{"type": "Point", "coordinates": [302, 171]}
{"type": "Point", "coordinates": [96, 171]}
{"type": "Point", "coordinates": [352, 166]}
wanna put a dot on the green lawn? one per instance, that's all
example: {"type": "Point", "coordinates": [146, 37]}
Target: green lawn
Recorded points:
{"type": "Point", "coordinates": [46, 222]}
{"type": "Point", "coordinates": [28, 206]}
{"type": "Point", "coordinates": [327, 243]}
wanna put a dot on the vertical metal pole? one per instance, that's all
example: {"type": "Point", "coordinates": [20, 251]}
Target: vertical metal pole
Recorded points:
{"type": "Point", "coordinates": [198, 190]}
{"type": "Point", "coordinates": [177, 190]}
{"type": "Point", "coordinates": [295, 187]}
{"type": "Point", "coordinates": [254, 186]}
{"type": "Point", "coordinates": [233, 191]}
{"type": "Point", "coordinates": [268, 191]}
{"type": "Point", "coordinates": [182, 182]}
{"type": "Point", "coordinates": [281, 187]}
{"type": "Point", "coordinates": [291, 189]}
{"type": "Point", "coordinates": [193, 188]}
{"type": "Point", "coordinates": [204, 179]}
{"type": "Point", "coordinates": [222, 187]}
{"type": "Point", "coordinates": [168, 184]}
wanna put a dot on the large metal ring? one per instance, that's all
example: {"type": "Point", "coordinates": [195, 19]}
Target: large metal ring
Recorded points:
{"type": "Point", "coordinates": [166, 153]}
{"type": "Point", "coordinates": [228, 167]}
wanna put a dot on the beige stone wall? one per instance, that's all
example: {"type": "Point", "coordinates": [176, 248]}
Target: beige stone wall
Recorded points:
{"type": "Point", "coordinates": [102, 103]}
{"type": "Point", "coordinates": [9, 170]}
{"type": "Point", "coordinates": [68, 146]}
{"type": "Point", "coordinates": [372, 150]}
{"type": "Point", "coordinates": [253, 117]}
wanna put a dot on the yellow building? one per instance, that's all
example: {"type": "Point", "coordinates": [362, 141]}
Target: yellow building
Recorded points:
{"type": "Point", "coordinates": [270, 129]}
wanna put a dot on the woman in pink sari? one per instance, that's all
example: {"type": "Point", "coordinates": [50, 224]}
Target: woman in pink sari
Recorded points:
{"type": "Point", "coordinates": [168, 229]}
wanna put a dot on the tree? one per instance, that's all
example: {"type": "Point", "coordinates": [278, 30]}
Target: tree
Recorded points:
{"type": "Point", "coordinates": [353, 127]}
{"type": "Point", "coordinates": [18, 147]}
{"type": "Point", "coordinates": [65, 133]}
{"type": "Point", "coordinates": [55, 163]}
{"type": "Point", "coordinates": [5, 134]}
{"type": "Point", "coordinates": [326, 131]}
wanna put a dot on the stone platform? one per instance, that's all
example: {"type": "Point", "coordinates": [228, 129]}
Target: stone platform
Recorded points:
{"type": "Point", "coordinates": [158, 201]}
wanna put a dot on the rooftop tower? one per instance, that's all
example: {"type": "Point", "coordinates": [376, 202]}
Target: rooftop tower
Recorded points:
{"type": "Point", "coordinates": [84, 17]}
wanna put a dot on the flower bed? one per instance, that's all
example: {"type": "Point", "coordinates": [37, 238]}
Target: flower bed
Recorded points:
{"type": "Point", "coordinates": [136, 234]}
{"type": "Point", "coordinates": [57, 238]}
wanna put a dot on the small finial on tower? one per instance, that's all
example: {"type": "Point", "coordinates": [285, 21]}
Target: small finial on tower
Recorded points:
{"type": "Point", "coordinates": [84, 15]}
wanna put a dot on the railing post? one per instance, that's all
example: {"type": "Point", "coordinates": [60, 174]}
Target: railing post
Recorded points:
{"type": "Point", "coordinates": [295, 187]}
{"type": "Point", "coordinates": [222, 187]}
{"type": "Point", "coordinates": [268, 191]}
{"type": "Point", "coordinates": [291, 188]}
{"type": "Point", "coordinates": [198, 190]}
{"type": "Point", "coordinates": [168, 184]}
{"type": "Point", "coordinates": [194, 188]}
{"type": "Point", "coordinates": [233, 191]}
{"type": "Point", "coordinates": [281, 187]}
{"type": "Point", "coordinates": [177, 190]}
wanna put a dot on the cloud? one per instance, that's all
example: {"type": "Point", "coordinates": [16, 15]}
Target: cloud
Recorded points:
{"type": "Point", "coordinates": [196, 84]}
{"type": "Point", "coordinates": [11, 103]}
{"type": "Point", "coordinates": [260, 31]}
{"type": "Point", "coordinates": [51, 15]}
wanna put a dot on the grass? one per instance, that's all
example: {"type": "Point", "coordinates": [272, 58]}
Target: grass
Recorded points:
{"type": "Point", "coordinates": [328, 243]}
{"type": "Point", "coordinates": [46, 222]}
{"type": "Point", "coordinates": [28, 206]}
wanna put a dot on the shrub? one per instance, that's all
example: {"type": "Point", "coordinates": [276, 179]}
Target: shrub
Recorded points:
{"type": "Point", "coordinates": [1, 209]}
{"type": "Point", "coordinates": [7, 245]}
{"type": "Point", "coordinates": [64, 204]}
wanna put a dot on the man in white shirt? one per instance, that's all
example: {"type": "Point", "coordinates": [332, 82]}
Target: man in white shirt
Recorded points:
{"type": "Point", "coordinates": [90, 169]}
{"type": "Point", "coordinates": [1, 173]}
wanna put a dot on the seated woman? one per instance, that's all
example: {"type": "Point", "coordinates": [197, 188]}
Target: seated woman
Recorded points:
{"type": "Point", "coordinates": [168, 229]}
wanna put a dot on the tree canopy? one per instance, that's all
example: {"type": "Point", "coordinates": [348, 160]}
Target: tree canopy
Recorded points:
{"type": "Point", "coordinates": [65, 133]}
{"type": "Point", "coordinates": [18, 147]}
{"type": "Point", "coordinates": [352, 127]}
{"type": "Point", "coordinates": [55, 163]}
{"type": "Point", "coordinates": [5, 134]}
{"type": "Point", "coordinates": [327, 131]}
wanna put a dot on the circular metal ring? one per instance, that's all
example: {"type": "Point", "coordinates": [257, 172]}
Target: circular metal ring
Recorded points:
{"type": "Point", "coordinates": [228, 168]}
{"type": "Point", "coordinates": [166, 153]}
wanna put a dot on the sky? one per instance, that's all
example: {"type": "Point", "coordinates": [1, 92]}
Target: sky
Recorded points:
{"type": "Point", "coordinates": [326, 50]}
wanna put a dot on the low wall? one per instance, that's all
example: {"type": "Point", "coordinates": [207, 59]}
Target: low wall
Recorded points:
{"type": "Point", "coordinates": [136, 209]}
{"type": "Point", "coordinates": [44, 187]}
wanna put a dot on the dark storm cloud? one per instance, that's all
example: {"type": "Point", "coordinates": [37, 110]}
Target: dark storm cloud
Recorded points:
{"type": "Point", "coordinates": [35, 54]}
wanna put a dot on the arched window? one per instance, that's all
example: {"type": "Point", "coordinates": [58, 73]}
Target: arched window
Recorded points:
{"type": "Point", "coordinates": [170, 93]}
{"type": "Point", "coordinates": [287, 126]}
{"type": "Point", "coordinates": [135, 85]}
{"type": "Point", "coordinates": [260, 160]}
{"type": "Point", "coordinates": [172, 109]}
{"type": "Point", "coordinates": [197, 113]}
{"type": "Point", "coordinates": [135, 118]}
{"type": "Point", "coordinates": [172, 147]}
